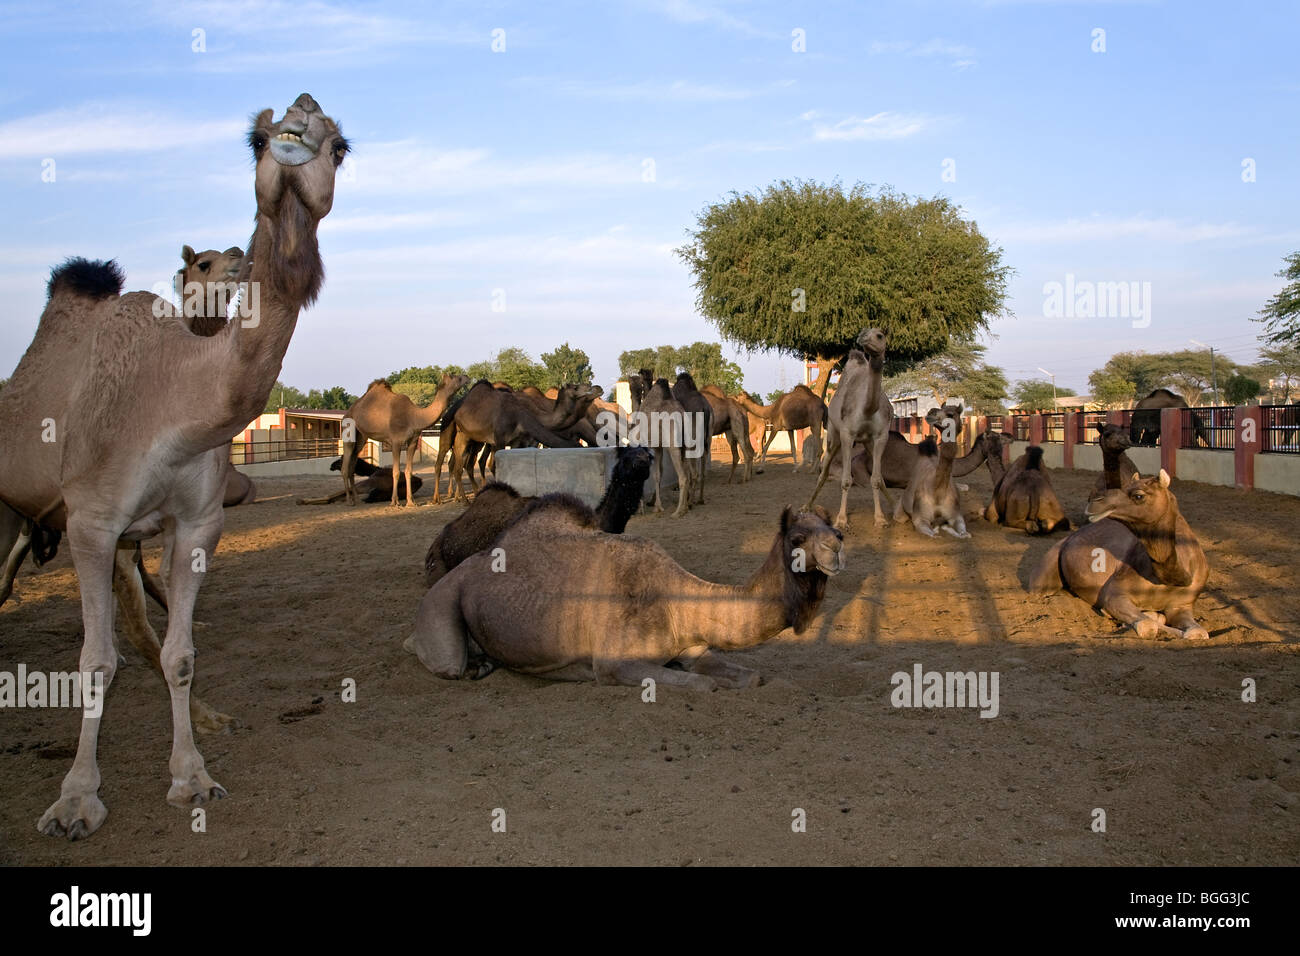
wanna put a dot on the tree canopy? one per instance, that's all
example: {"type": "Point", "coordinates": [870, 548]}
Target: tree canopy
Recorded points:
{"type": "Point", "coordinates": [567, 365]}
{"type": "Point", "coordinates": [286, 396]}
{"type": "Point", "coordinates": [1281, 363]}
{"type": "Point", "coordinates": [703, 360]}
{"type": "Point", "coordinates": [1281, 314]}
{"type": "Point", "coordinates": [1241, 389]}
{"type": "Point", "coordinates": [1033, 394]}
{"type": "Point", "coordinates": [1187, 372]}
{"type": "Point", "coordinates": [802, 268]}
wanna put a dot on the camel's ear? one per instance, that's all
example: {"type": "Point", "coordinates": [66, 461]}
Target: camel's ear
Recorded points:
{"type": "Point", "coordinates": [187, 255]}
{"type": "Point", "coordinates": [822, 513]}
{"type": "Point", "coordinates": [1164, 478]}
{"type": "Point", "coordinates": [233, 252]}
{"type": "Point", "coordinates": [787, 519]}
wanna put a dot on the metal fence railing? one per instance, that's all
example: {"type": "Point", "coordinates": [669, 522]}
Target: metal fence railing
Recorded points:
{"type": "Point", "coordinates": [1281, 429]}
{"type": "Point", "coordinates": [292, 449]}
{"type": "Point", "coordinates": [1213, 427]}
{"type": "Point", "coordinates": [1085, 424]}
{"type": "Point", "coordinates": [1054, 426]}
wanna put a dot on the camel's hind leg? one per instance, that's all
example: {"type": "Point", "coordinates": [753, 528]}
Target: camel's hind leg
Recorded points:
{"type": "Point", "coordinates": [683, 482]}
{"type": "Point", "coordinates": [350, 452]}
{"type": "Point", "coordinates": [440, 639]}
{"type": "Point", "coordinates": [410, 458]}
{"type": "Point", "coordinates": [832, 446]}
{"type": "Point", "coordinates": [701, 660]}
{"type": "Point", "coordinates": [129, 589]}
{"type": "Point", "coordinates": [633, 673]}
{"type": "Point", "coordinates": [15, 543]}
{"type": "Point", "coordinates": [878, 487]}
{"type": "Point", "coordinates": [1182, 619]}
{"type": "Point", "coordinates": [79, 812]}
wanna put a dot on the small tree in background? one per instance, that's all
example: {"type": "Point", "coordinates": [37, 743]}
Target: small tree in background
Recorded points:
{"type": "Point", "coordinates": [1281, 314]}
{"type": "Point", "coordinates": [1281, 363]}
{"type": "Point", "coordinates": [1033, 395]}
{"type": "Point", "coordinates": [1111, 390]}
{"type": "Point", "coordinates": [566, 365]}
{"type": "Point", "coordinates": [703, 360]}
{"type": "Point", "coordinates": [959, 370]}
{"type": "Point", "coordinates": [1240, 389]}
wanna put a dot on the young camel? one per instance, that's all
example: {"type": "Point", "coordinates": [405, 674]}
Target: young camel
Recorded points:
{"type": "Point", "coordinates": [1137, 561]}
{"type": "Point", "coordinates": [1023, 496]}
{"type": "Point", "coordinates": [473, 620]}
{"type": "Point", "coordinates": [859, 411]}
{"type": "Point", "coordinates": [389, 417]}
{"type": "Point", "coordinates": [666, 417]}
{"type": "Point", "coordinates": [731, 419]}
{"type": "Point", "coordinates": [141, 411]}
{"type": "Point", "coordinates": [797, 409]}
{"type": "Point", "coordinates": [498, 505]}
{"type": "Point", "coordinates": [930, 500]}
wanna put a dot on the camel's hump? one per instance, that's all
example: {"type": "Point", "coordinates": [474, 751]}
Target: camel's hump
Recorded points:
{"type": "Point", "coordinates": [95, 279]}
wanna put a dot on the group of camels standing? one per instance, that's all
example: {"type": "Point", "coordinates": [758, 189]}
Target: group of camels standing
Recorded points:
{"type": "Point", "coordinates": [117, 421]}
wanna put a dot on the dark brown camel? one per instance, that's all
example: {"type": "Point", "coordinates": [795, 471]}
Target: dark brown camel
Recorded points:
{"type": "Point", "coordinates": [1116, 466]}
{"type": "Point", "coordinates": [376, 484]}
{"type": "Point", "coordinates": [731, 420]}
{"type": "Point", "coordinates": [1137, 561]}
{"type": "Point", "coordinates": [1144, 426]}
{"type": "Point", "coordinates": [696, 404]}
{"type": "Point", "coordinates": [498, 505]}
{"type": "Point", "coordinates": [1023, 496]}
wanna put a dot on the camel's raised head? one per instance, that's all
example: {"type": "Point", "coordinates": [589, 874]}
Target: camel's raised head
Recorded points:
{"type": "Point", "coordinates": [296, 158]}
{"type": "Point", "coordinates": [947, 420]}
{"type": "Point", "coordinates": [1113, 437]}
{"type": "Point", "coordinates": [687, 379]}
{"type": "Point", "coordinates": [812, 541]}
{"type": "Point", "coordinates": [453, 383]}
{"type": "Point", "coordinates": [631, 464]}
{"type": "Point", "coordinates": [873, 341]}
{"type": "Point", "coordinates": [1143, 502]}
{"type": "Point", "coordinates": [993, 442]}
{"type": "Point", "coordinates": [209, 267]}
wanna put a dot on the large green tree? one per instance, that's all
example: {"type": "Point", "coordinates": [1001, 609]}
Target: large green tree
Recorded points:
{"type": "Point", "coordinates": [1281, 314]}
{"type": "Point", "coordinates": [802, 268]}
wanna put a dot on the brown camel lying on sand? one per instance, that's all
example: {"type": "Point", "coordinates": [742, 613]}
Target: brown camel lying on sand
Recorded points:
{"type": "Point", "coordinates": [899, 459]}
{"type": "Point", "coordinates": [1137, 561]}
{"type": "Point", "coordinates": [930, 500]}
{"type": "Point", "coordinates": [376, 485]}
{"type": "Point", "coordinates": [1023, 496]}
{"type": "Point", "coordinates": [498, 505]}
{"type": "Point", "coordinates": [626, 609]}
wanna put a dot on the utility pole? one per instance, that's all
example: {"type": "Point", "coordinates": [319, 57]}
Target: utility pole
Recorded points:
{"type": "Point", "coordinates": [1214, 377]}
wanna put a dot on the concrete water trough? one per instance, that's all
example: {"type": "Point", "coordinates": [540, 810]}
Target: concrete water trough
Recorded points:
{"type": "Point", "coordinates": [582, 472]}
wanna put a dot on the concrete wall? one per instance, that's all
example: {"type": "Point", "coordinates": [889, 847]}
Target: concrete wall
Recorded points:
{"type": "Point", "coordinates": [1211, 467]}
{"type": "Point", "coordinates": [583, 472]}
{"type": "Point", "coordinates": [1279, 473]}
{"type": "Point", "coordinates": [1147, 460]}
{"type": "Point", "coordinates": [1053, 455]}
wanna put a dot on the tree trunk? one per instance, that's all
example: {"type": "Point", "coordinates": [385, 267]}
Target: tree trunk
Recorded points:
{"type": "Point", "coordinates": [824, 368]}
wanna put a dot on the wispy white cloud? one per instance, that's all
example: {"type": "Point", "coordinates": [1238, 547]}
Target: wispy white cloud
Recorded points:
{"type": "Point", "coordinates": [1100, 229]}
{"type": "Point", "coordinates": [961, 55]}
{"type": "Point", "coordinates": [104, 128]}
{"type": "Point", "coordinates": [882, 126]}
{"type": "Point", "coordinates": [710, 12]}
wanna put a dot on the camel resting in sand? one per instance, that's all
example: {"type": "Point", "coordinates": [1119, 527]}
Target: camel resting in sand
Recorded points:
{"type": "Point", "coordinates": [1023, 496]}
{"type": "Point", "coordinates": [930, 500]}
{"type": "Point", "coordinates": [376, 485]}
{"type": "Point", "coordinates": [626, 609]}
{"type": "Point", "coordinates": [1137, 561]}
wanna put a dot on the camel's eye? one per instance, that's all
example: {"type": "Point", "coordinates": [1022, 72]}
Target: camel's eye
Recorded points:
{"type": "Point", "coordinates": [258, 140]}
{"type": "Point", "coordinates": [340, 149]}
{"type": "Point", "coordinates": [1138, 496]}
{"type": "Point", "coordinates": [204, 266]}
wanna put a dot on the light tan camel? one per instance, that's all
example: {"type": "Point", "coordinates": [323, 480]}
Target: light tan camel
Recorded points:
{"type": "Point", "coordinates": [388, 416]}
{"type": "Point", "coordinates": [731, 419]}
{"type": "Point", "coordinates": [1023, 496]}
{"type": "Point", "coordinates": [859, 411]}
{"type": "Point", "coordinates": [930, 500]}
{"type": "Point", "coordinates": [136, 412]}
{"type": "Point", "coordinates": [1137, 561]}
{"type": "Point", "coordinates": [797, 409]}
{"type": "Point", "coordinates": [628, 609]}
{"type": "Point", "coordinates": [665, 416]}
{"type": "Point", "coordinates": [206, 284]}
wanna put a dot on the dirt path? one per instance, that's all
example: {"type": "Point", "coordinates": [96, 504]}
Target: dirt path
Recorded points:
{"type": "Point", "coordinates": [300, 598]}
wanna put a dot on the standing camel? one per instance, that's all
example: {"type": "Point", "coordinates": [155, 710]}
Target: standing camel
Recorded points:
{"type": "Point", "coordinates": [796, 409]}
{"type": "Point", "coordinates": [695, 404]}
{"type": "Point", "coordinates": [664, 418]}
{"type": "Point", "coordinates": [387, 416]}
{"type": "Point", "coordinates": [730, 419]}
{"type": "Point", "coordinates": [860, 411]}
{"type": "Point", "coordinates": [139, 411]}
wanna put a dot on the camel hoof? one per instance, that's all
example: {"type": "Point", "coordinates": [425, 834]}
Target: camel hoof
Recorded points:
{"type": "Point", "coordinates": [195, 792]}
{"type": "Point", "coordinates": [1146, 628]}
{"type": "Point", "coordinates": [1196, 634]}
{"type": "Point", "coordinates": [75, 817]}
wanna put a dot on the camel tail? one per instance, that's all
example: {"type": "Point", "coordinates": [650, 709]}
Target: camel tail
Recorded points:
{"type": "Point", "coordinates": [94, 279]}
{"type": "Point", "coordinates": [1047, 577]}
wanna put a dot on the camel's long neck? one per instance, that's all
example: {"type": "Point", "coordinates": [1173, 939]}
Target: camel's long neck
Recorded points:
{"type": "Point", "coordinates": [1110, 458]}
{"type": "Point", "coordinates": [996, 468]}
{"type": "Point", "coordinates": [765, 412]}
{"type": "Point", "coordinates": [621, 500]}
{"type": "Point", "coordinates": [1161, 543]}
{"type": "Point", "coordinates": [730, 618]}
{"type": "Point", "coordinates": [285, 275]}
{"type": "Point", "coordinates": [969, 461]}
{"type": "Point", "coordinates": [429, 414]}
{"type": "Point", "coordinates": [943, 474]}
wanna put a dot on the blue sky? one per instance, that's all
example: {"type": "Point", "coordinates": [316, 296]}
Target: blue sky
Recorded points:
{"type": "Point", "coordinates": [524, 170]}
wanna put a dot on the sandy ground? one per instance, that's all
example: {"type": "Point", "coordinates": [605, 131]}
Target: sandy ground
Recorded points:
{"type": "Point", "coordinates": [300, 598]}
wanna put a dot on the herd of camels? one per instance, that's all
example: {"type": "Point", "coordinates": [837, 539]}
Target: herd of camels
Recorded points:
{"type": "Point", "coordinates": [117, 421]}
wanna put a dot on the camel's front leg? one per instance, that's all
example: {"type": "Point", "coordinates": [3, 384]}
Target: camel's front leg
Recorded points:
{"type": "Point", "coordinates": [702, 660]}
{"type": "Point", "coordinates": [1182, 619]}
{"type": "Point", "coordinates": [683, 482]}
{"type": "Point", "coordinates": [129, 588]}
{"type": "Point", "coordinates": [397, 474]}
{"type": "Point", "coordinates": [410, 457]}
{"type": "Point", "coordinates": [957, 527]}
{"type": "Point", "coordinates": [878, 487]}
{"type": "Point", "coordinates": [79, 812]}
{"type": "Point", "coordinates": [194, 541]}
{"type": "Point", "coordinates": [633, 673]}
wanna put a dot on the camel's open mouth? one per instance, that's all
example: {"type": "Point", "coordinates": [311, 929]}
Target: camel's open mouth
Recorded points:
{"type": "Point", "coordinates": [290, 149]}
{"type": "Point", "coordinates": [1105, 514]}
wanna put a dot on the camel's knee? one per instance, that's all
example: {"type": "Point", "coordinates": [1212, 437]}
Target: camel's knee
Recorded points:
{"type": "Point", "coordinates": [177, 666]}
